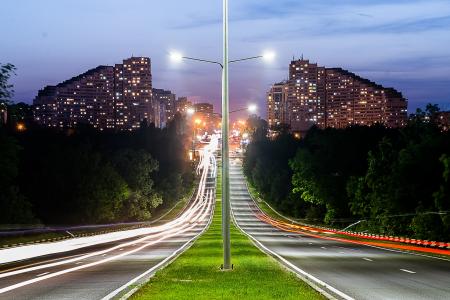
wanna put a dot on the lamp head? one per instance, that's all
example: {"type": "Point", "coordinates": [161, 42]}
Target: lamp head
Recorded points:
{"type": "Point", "coordinates": [269, 56]}
{"type": "Point", "coordinates": [252, 108]}
{"type": "Point", "coordinates": [176, 57]}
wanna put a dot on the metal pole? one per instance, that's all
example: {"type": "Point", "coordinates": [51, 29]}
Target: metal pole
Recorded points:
{"type": "Point", "coordinates": [193, 143]}
{"type": "Point", "coordinates": [225, 152]}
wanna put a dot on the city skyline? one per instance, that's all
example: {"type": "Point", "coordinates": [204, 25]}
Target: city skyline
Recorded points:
{"type": "Point", "coordinates": [394, 43]}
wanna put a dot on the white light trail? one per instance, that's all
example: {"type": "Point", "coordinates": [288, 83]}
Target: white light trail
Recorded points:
{"type": "Point", "coordinates": [191, 217]}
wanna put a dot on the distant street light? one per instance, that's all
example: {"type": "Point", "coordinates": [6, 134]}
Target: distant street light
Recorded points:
{"type": "Point", "coordinates": [190, 111]}
{"type": "Point", "coordinates": [251, 108]}
{"type": "Point", "coordinates": [20, 127]}
{"type": "Point", "coordinates": [268, 56]}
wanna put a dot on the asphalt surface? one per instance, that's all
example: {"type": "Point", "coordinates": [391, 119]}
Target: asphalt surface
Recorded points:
{"type": "Point", "coordinates": [344, 270]}
{"type": "Point", "coordinates": [104, 271]}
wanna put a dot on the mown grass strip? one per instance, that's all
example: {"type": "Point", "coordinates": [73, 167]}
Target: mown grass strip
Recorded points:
{"type": "Point", "coordinates": [196, 274]}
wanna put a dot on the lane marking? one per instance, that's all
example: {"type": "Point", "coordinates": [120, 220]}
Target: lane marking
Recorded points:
{"type": "Point", "coordinates": [196, 206]}
{"type": "Point", "coordinates": [42, 274]}
{"type": "Point", "coordinates": [353, 242]}
{"type": "Point", "coordinates": [321, 284]}
{"type": "Point", "coordinates": [323, 247]}
{"type": "Point", "coordinates": [368, 259]}
{"type": "Point", "coordinates": [342, 252]}
{"type": "Point", "coordinates": [205, 210]}
{"type": "Point", "coordinates": [37, 263]}
{"type": "Point", "coordinates": [367, 245]}
{"type": "Point", "coordinates": [408, 271]}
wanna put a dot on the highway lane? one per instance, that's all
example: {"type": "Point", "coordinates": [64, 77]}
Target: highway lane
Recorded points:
{"type": "Point", "coordinates": [105, 270]}
{"type": "Point", "coordinates": [344, 270]}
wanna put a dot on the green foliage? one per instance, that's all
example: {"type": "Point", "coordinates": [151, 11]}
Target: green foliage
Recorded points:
{"type": "Point", "coordinates": [326, 161]}
{"type": "Point", "coordinates": [136, 166]}
{"type": "Point", "coordinates": [14, 207]}
{"type": "Point", "coordinates": [84, 176]}
{"type": "Point", "coordinates": [398, 194]}
{"type": "Point", "coordinates": [266, 165]}
{"type": "Point", "coordinates": [6, 92]}
{"type": "Point", "coordinates": [257, 127]}
{"type": "Point", "coordinates": [442, 196]}
{"type": "Point", "coordinates": [397, 180]}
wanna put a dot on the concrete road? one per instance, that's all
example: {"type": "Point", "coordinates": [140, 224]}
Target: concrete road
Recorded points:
{"type": "Point", "coordinates": [106, 270]}
{"type": "Point", "coordinates": [344, 270]}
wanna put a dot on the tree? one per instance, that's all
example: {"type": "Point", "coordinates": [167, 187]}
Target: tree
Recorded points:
{"type": "Point", "coordinates": [257, 127]}
{"type": "Point", "coordinates": [326, 161]}
{"type": "Point", "coordinates": [442, 196]}
{"type": "Point", "coordinates": [14, 208]}
{"type": "Point", "coordinates": [6, 92]}
{"type": "Point", "coordinates": [136, 167]}
{"type": "Point", "coordinates": [397, 195]}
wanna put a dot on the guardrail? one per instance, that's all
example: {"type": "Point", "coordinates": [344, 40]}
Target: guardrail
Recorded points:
{"type": "Point", "coordinates": [70, 232]}
{"type": "Point", "coordinates": [364, 235]}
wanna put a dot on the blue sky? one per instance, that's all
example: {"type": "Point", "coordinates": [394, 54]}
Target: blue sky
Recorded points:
{"type": "Point", "coordinates": [403, 44]}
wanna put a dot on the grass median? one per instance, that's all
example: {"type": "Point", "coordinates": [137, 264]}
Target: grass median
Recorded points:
{"type": "Point", "coordinates": [196, 274]}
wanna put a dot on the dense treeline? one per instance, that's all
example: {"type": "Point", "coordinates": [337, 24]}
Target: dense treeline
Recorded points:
{"type": "Point", "coordinates": [395, 180]}
{"type": "Point", "coordinates": [84, 176]}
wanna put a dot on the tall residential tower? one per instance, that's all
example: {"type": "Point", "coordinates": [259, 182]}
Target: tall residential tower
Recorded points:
{"type": "Point", "coordinates": [332, 97]}
{"type": "Point", "coordinates": [107, 97]}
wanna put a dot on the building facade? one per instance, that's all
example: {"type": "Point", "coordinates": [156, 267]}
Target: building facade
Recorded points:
{"type": "Point", "coordinates": [355, 100]}
{"type": "Point", "coordinates": [164, 102]}
{"type": "Point", "coordinates": [277, 104]}
{"type": "Point", "coordinates": [332, 97]}
{"type": "Point", "coordinates": [107, 97]}
{"type": "Point", "coordinates": [305, 99]}
{"type": "Point", "coordinates": [182, 105]}
{"type": "Point", "coordinates": [442, 119]}
{"type": "Point", "coordinates": [133, 93]}
{"type": "Point", "coordinates": [206, 109]}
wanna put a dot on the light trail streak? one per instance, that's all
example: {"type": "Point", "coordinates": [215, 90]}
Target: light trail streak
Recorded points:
{"type": "Point", "coordinates": [306, 230]}
{"type": "Point", "coordinates": [207, 152]}
{"type": "Point", "coordinates": [191, 218]}
{"type": "Point", "coordinates": [172, 233]}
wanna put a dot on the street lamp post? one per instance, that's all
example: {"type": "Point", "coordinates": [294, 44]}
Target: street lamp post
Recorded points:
{"type": "Point", "coordinates": [225, 148]}
{"type": "Point", "coordinates": [225, 129]}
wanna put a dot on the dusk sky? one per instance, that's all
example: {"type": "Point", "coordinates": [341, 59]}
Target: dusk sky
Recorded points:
{"type": "Point", "coordinates": [404, 44]}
